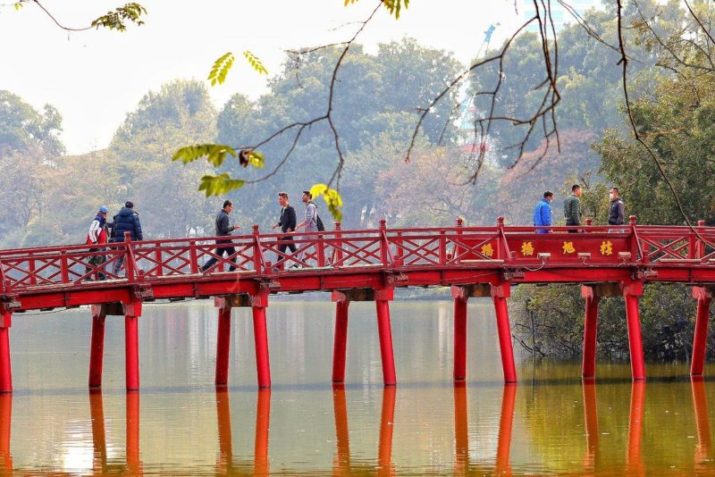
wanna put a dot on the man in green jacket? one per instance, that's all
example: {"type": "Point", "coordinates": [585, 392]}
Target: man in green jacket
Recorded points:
{"type": "Point", "coordinates": [572, 208]}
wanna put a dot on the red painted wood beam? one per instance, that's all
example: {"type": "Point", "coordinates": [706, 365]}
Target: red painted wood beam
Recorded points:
{"type": "Point", "coordinates": [132, 312]}
{"type": "Point", "coordinates": [500, 294]}
{"type": "Point", "coordinates": [223, 344]}
{"type": "Point", "coordinates": [96, 350]}
{"type": "Point", "coordinates": [632, 293]}
{"type": "Point", "coordinates": [590, 328]}
{"type": "Point", "coordinates": [704, 297]}
{"type": "Point", "coordinates": [384, 329]}
{"type": "Point", "coordinates": [341, 338]}
{"type": "Point", "coordinates": [260, 335]}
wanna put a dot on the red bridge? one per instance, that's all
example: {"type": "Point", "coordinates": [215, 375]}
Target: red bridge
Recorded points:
{"type": "Point", "coordinates": [360, 265]}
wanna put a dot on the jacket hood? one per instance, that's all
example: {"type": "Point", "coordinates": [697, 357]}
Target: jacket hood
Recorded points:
{"type": "Point", "coordinates": [126, 211]}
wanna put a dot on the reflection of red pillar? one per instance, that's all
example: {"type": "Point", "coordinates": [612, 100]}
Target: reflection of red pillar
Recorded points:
{"type": "Point", "coordinates": [132, 312]}
{"type": "Point", "coordinates": [133, 461]}
{"type": "Point", "coordinates": [384, 329]}
{"type": "Point", "coordinates": [506, 423]}
{"type": "Point", "coordinates": [340, 410]}
{"type": "Point", "coordinates": [704, 297]}
{"type": "Point", "coordinates": [461, 429]}
{"type": "Point", "coordinates": [5, 367]}
{"type": "Point", "coordinates": [96, 351]}
{"type": "Point", "coordinates": [341, 339]}
{"type": "Point", "coordinates": [263, 419]}
{"type": "Point", "coordinates": [223, 416]}
{"type": "Point", "coordinates": [384, 454]}
{"type": "Point", "coordinates": [5, 427]}
{"type": "Point", "coordinates": [460, 337]}
{"type": "Point", "coordinates": [99, 440]}
{"type": "Point", "coordinates": [702, 422]}
{"type": "Point", "coordinates": [260, 335]}
{"type": "Point", "coordinates": [634, 461]}
{"type": "Point", "coordinates": [632, 293]}
{"type": "Point", "coordinates": [223, 344]}
{"type": "Point", "coordinates": [588, 368]}
{"type": "Point", "coordinates": [590, 417]}
{"type": "Point", "coordinates": [500, 294]}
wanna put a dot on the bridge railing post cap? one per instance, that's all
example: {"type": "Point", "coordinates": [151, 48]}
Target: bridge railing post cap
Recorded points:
{"type": "Point", "coordinates": [632, 220]}
{"type": "Point", "coordinates": [500, 220]}
{"type": "Point", "coordinates": [460, 221]}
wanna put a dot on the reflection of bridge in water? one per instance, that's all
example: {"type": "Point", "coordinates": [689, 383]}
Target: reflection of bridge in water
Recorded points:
{"type": "Point", "coordinates": [361, 265]}
{"type": "Point", "coordinates": [593, 462]}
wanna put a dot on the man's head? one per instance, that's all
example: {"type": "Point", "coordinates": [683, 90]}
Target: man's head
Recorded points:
{"type": "Point", "coordinates": [614, 193]}
{"type": "Point", "coordinates": [227, 206]}
{"type": "Point", "coordinates": [103, 210]}
{"type": "Point", "coordinates": [548, 195]}
{"type": "Point", "coordinates": [576, 190]}
{"type": "Point", "coordinates": [129, 204]}
{"type": "Point", "coordinates": [283, 198]}
{"type": "Point", "coordinates": [307, 197]}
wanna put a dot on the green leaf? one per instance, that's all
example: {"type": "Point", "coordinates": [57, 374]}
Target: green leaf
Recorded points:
{"type": "Point", "coordinates": [349, 2]}
{"type": "Point", "coordinates": [115, 19]}
{"type": "Point", "coordinates": [394, 6]}
{"type": "Point", "coordinates": [214, 153]}
{"type": "Point", "coordinates": [220, 184]}
{"type": "Point", "coordinates": [220, 68]}
{"type": "Point", "coordinates": [18, 6]}
{"type": "Point", "coordinates": [332, 199]}
{"type": "Point", "coordinates": [256, 159]}
{"type": "Point", "coordinates": [255, 63]}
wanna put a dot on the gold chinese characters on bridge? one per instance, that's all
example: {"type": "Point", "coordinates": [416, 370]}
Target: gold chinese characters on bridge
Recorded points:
{"type": "Point", "coordinates": [568, 248]}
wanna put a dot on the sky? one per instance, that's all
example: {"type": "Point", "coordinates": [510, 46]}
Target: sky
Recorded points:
{"type": "Point", "coordinates": [95, 78]}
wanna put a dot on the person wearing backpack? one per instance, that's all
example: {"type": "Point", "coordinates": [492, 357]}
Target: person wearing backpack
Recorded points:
{"type": "Point", "coordinates": [311, 222]}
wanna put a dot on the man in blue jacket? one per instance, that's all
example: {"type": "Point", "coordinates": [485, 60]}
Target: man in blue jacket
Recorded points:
{"type": "Point", "coordinates": [125, 221]}
{"type": "Point", "coordinates": [542, 213]}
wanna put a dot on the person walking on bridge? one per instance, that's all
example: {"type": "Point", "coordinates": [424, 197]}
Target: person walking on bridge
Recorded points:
{"type": "Point", "coordinates": [542, 213]}
{"type": "Point", "coordinates": [223, 228]}
{"type": "Point", "coordinates": [572, 208]}
{"type": "Point", "coordinates": [616, 214]}
{"type": "Point", "coordinates": [287, 223]}
{"type": "Point", "coordinates": [97, 236]}
{"type": "Point", "coordinates": [310, 221]}
{"type": "Point", "coordinates": [127, 220]}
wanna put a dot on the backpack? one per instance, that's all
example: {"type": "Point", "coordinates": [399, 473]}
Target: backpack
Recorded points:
{"type": "Point", "coordinates": [319, 223]}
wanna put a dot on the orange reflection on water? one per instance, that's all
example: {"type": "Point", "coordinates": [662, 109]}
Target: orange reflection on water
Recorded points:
{"type": "Point", "coordinates": [261, 464]}
{"type": "Point", "coordinates": [5, 425]}
{"type": "Point", "coordinates": [590, 417]}
{"type": "Point", "coordinates": [506, 424]}
{"type": "Point", "coordinates": [634, 454]}
{"type": "Point", "coordinates": [341, 463]}
{"type": "Point", "coordinates": [387, 417]}
{"type": "Point", "coordinates": [702, 423]}
{"type": "Point", "coordinates": [461, 428]}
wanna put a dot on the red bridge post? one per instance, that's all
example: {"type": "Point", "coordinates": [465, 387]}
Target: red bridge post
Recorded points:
{"type": "Point", "coordinates": [704, 297]}
{"type": "Point", "coordinates": [500, 294]}
{"type": "Point", "coordinates": [460, 333]}
{"type": "Point", "coordinates": [259, 303]}
{"type": "Point", "coordinates": [382, 302]}
{"type": "Point", "coordinates": [223, 341]}
{"type": "Point", "coordinates": [132, 312]}
{"type": "Point", "coordinates": [588, 366]}
{"type": "Point", "coordinates": [632, 292]}
{"type": "Point", "coordinates": [341, 336]}
{"type": "Point", "coordinates": [96, 352]}
{"type": "Point", "coordinates": [5, 366]}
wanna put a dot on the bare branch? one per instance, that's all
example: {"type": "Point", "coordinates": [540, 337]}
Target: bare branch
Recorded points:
{"type": "Point", "coordinates": [52, 17]}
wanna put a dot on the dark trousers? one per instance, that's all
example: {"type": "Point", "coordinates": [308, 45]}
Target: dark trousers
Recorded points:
{"type": "Point", "coordinates": [222, 247]}
{"type": "Point", "coordinates": [285, 243]}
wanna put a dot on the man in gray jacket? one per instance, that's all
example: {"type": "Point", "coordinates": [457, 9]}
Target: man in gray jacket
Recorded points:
{"type": "Point", "coordinates": [223, 229]}
{"type": "Point", "coordinates": [572, 208]}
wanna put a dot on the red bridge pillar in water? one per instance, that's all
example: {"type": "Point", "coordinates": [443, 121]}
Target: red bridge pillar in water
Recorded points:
{"type": "Point", "coordinates": [5, 366]}
{"type": "Point", "coordinates": [342, 302]}
{"type": "Point", "coordinates": [500, 294]}
{"type": "Point", "coordinates": [461, 295]}
{"type": "Point", "coordinates": [590, 326]}
{"type": "Point", "coordinates": [384, 329]}
{"type": "Point", "coordinates": [96, 350]}
{"type": "Point", "coordinates": [259, 303]}
{"type": "Point", "coordinates": [632, 292]}
{"type": "Point", "coordinates": [704, 297]}
{"type": "Point", "coordinates": [223, 339]}
{"type": "Point", "coordinates": [132, 312]}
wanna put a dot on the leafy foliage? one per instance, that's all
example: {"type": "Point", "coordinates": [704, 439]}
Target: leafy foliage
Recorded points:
{"type": "Point", "coordinates": [215, 153]}
{"type": "Point", "coordinates": [220, 184]}
{"type": "Point", "coordinates": [332, 199]}
{"type": "Point", "coordinates": [220, 68]}
{"type": "Point", "coordinates": [395, 6]}
{"type": "Point", "coordinates": [255, 63]}
{"type": "Point", "coordinates": [116, 19]}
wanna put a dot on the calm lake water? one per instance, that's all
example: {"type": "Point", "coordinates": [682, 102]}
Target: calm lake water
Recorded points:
{"type": "Point", "coordinates": [179, 425]}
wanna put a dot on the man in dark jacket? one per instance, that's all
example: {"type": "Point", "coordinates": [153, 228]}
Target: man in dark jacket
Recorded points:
{"type": "Point", "coordinates": [572, 207]}
{"type": "Point", "coordinates": [127, 220]}
{"type": "Point", "coordinates": [616, 215]}
{"type": "Point", "coordinates": [287, 223]}
{"type": "Point", "coordinates": [223, 228]}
